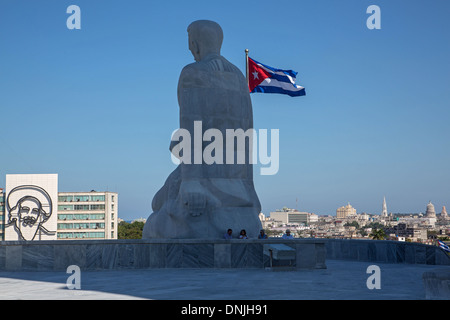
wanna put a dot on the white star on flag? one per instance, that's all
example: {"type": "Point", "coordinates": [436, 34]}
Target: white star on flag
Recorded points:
{"type": "Point", "coordinates": [255, 75]}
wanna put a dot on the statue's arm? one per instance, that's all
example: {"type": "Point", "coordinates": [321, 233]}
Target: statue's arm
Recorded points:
{"type": "Point", "coordinates": [183, 79]}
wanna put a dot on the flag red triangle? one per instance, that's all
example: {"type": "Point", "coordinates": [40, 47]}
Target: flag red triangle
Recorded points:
{"type": "Point", "coordinates": [256, 75]}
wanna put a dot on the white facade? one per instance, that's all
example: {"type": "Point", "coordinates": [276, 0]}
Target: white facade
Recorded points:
{"type": "Point", "coordinates": [31, 206]}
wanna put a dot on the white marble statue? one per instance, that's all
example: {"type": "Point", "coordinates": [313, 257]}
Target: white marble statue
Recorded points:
{"type": "Point", "coordinates": [203, 201]}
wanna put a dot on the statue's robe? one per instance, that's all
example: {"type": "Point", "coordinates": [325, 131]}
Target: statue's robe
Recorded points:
{"type": "Point", "coordinates": [204, 200]}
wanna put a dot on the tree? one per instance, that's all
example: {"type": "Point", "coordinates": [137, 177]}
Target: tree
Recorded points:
{"type": "Point", "coordinates": [352, 224]}
{"type": "Point", "coordinates": [378, 234]}
{"type": "Point", "coordinates": [132, 230]}
{"type": "Point", "coordinates": [374, 225]}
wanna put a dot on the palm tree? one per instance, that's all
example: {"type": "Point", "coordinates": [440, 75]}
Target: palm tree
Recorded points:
{"type": "Point", "coordinates": [378, 234]}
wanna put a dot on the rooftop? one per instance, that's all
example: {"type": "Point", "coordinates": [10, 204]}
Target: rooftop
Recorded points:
{"type": "Point", "coordinates": [343, 280]}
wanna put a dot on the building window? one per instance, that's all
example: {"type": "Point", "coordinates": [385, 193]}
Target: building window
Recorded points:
{"type": "Point", "coordinates": [65, 198]}
{"type": "Point", "coordinates": [83, 207]}
{"type": "Point", "coordinates": [62, 226]}
{"type": "Point", "coordinates": [97, 207]}
{"type": "Point", "coordinates": [81, 198]}
{"type": "Point", "coordinates": [98, 216]}
{"type": "Point", "coordinates": [86, 235]}
{"type": "Point", "coordinates": [65, 235]}
{"type": "Point", "coordinates": [65, 207]}
{"type": "Point", "coordinates": [97, 198]}
{"type": "Point", "coordinates": [81, 216]}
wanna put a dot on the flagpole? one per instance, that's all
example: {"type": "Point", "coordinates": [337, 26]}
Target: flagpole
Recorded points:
{"type": "Point", "coordinates": [246, 65]}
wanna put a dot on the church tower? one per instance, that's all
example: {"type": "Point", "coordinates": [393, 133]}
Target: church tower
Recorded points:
{"type": "Point", "coordinates": [384, 213]}
{"type": "Point", "coordinates": [444, 214]}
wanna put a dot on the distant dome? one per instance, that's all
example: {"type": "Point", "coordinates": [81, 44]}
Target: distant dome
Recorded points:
{"type": "Point", "coordinates": [430, 210]}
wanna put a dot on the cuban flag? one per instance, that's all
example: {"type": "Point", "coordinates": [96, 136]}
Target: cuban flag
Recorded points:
{"type": "Point", "coordinates": [443, 246]}
{"type": "Point", "coordinates": [265, 79]}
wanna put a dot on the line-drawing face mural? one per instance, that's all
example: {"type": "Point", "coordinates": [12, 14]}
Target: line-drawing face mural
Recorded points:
{"type": "Point", "coordinates": [29, 211]}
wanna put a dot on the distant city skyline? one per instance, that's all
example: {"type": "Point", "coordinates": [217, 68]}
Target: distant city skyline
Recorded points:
{"type": "Point", "coordinates": [384, 209]}
{"type": "Point", "coordinates": [98, 105]}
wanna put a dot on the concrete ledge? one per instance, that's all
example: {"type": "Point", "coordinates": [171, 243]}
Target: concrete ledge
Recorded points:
{"type": "Point", "coordinates": [385, 251]}
{"type": "Point", "coordinates": [194, 253]}
{"type": "Point", "coordinates": [437, 284]}
{"type": "Point", "coordinates": [152, 253]}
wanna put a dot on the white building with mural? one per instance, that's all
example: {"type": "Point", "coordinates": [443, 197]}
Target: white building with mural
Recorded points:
{"type": "Point", "coordinates": [31, 208]}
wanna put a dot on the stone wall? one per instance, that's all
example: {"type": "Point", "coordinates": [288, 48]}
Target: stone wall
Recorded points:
{"type": "Point", "coordinates": [159, 253]}
{"type": "Point", "coordinates": [385, 251]}
{"type": "Point", "coordinates": [152, 253]}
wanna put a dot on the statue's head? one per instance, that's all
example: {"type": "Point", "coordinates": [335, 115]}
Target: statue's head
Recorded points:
{"type": "Point", "coordinates": [205, 37]}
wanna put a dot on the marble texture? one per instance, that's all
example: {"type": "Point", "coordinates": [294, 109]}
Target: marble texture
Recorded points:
{"type": "Point", "coordinates": [2, 257]}
{"type": "Point", "coordinates": [385, 251]}
{"type": "Point", "coordinates": [437, 284]}
{"type": "Point", "coordinates": [147, 254]}
{"type": "Point", "coordinates": [222, 255]}
{"type": "Point", "coordinates": [37, 258]}
{"type": "Point", "coordinates": [66, 255]}
{"type": "Point", "coordinates": [199, 253]}
{"type": "Point", "coordinates": [13, 257]}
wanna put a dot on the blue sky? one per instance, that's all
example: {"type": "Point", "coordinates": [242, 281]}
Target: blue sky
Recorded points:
{"type": "Point", "coordinates": [98, 105]}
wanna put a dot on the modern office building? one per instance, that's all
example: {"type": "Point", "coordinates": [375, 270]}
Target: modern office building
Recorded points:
{"type": "Point", "coordinates": [31, 208]}
{"type": "Point", "coordinates": [291, 216]}
{"type": "Point", "coordinates": [87, 215]}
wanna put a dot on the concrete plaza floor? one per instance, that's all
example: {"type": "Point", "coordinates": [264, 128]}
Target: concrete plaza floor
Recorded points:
{"type": "Point", "coordinates": [342, 280]}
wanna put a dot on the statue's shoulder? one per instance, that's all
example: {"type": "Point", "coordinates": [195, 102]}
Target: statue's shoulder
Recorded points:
{"type": "Point", "coordinates": [192, 75]}
{"type": "Point", "coordinates": [212, 63]}
{"type": "Point", "coordinates": [193, 68]}
{"type": "Point", "coordinates": [213, 72]}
